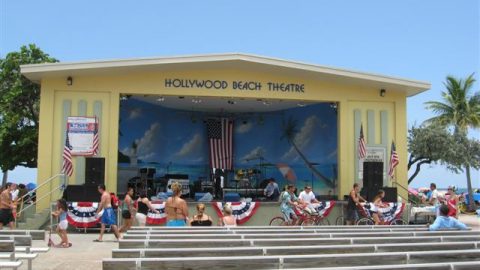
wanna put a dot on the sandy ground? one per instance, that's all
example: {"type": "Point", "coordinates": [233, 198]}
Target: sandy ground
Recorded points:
{"type": "Point", "coordinates": [86, 255]}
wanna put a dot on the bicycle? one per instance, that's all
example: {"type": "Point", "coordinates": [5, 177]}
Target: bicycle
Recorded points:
{"type": "Point", "coordinates": [367, 219]}
{"type": "Point", "coordinates": [304, 219]}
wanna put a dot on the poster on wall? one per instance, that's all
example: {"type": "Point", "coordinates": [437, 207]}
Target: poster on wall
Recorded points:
{"type": "Point", "coordinates": [83, 135]}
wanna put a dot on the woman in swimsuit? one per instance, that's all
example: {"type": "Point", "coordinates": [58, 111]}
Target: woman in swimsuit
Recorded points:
{"type": "Point", "coordinates": [143, 207]}
{"type": "Point", "coordinates": [377, 204]}
{"type": "Point", "coordinates": [176, 208]}
{"type": "Point", "coordinates": [201, 219]}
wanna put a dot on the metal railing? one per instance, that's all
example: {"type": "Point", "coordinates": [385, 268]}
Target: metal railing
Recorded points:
{"type": "Point", "coordinates": [406, 189]}
{"type": "Point", "coordinates": [32, 194]}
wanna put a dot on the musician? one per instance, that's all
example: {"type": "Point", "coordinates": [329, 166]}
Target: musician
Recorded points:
{"type": "Point", "coordinates": [218, 183]}
{"type": "Point", "coordinates": [271, 191]}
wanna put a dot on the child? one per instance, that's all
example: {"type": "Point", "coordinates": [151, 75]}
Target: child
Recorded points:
{"type": "Point", "coordinates": [228, 220]}
{"type": "Point", "coordinates": [62, 226]}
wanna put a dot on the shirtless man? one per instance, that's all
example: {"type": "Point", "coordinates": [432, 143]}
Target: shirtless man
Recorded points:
{"type": "Point", "coordinates": [109, 217]}
{"type": "Point", "coordinates": [6, 206]}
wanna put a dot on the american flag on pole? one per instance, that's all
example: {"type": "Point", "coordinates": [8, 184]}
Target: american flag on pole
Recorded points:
{"type": "Point", "coordinates": [220, 138]}
{"type": "Point", "coordinates": [362, 147]}
{"type": "Point", "coordinates": [67, 167]}
{"type": "Point", "coordinates": [96, 139]}
{"type": "Point", "coordinates": [393, 160]}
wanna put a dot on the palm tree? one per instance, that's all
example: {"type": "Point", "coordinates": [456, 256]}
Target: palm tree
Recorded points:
{"type": "Point", "coordinates": [290, 129]}
{"type": "Point", "coordinates": [460, 110]}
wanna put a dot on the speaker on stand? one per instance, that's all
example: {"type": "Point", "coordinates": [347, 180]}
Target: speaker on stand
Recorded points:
{"type": "Point", "coordinates": [372, 179]}
{"type": "Point", "coordinates": [94, 171]}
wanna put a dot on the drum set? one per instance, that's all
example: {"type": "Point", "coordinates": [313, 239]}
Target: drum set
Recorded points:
{"type": "Point", "coordinates": [246, 178]}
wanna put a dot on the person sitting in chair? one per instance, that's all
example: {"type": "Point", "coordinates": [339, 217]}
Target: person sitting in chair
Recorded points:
{"type": "Point", "coordinates": [271, 191]}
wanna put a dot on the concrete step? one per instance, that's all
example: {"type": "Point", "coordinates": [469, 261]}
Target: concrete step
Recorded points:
{"type": "Point", "coordinates": [35, 221]}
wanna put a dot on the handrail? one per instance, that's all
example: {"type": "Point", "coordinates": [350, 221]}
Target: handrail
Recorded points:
{"type": "Point", "coordinates": [31, 192]}
{"type": "Point", "coordinates": [41, 185]}
{"type": "Point", "coordinates": [406, 189]}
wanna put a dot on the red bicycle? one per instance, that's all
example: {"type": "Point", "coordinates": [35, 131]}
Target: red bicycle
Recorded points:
{"type": "Point", "coordinates": [304, 219]}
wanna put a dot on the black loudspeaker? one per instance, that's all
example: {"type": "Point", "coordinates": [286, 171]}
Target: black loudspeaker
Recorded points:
{"type": "Point", "coordinates": [94, 171]}
{"type": "Point", "coordinates": [390, 194]}
{"type": "Point", "coordinates": [81, 193]}
{"type": "Point", "coordinates": [372, 179]}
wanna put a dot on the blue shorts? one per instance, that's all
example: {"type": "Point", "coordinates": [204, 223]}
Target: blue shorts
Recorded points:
{"type": "Point", "coordinates": [288, 214]}
{"type": "Point", "coordinates": [176, 223]}
{"type": "Point", "coordinates": [109, 217]}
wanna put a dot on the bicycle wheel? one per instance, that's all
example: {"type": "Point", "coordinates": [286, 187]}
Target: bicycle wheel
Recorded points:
{"type": "Point", "coordinates": [277, 221]}
{"type": "Point", "coordinates": [340, 220]}
{"type": "Point", "coordinates": [398, 221]}
{"type": "Point", "coordinates": [365, 221]}
{"type": "Point", "coordinates": [308, 221]}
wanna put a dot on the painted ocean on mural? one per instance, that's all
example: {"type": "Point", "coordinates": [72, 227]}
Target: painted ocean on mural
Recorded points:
{"type": "Point", "coordinates": [301, 139]}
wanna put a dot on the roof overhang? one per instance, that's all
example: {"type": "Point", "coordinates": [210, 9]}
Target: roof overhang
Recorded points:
{"type": "Point", "coordinates": [37, 72]}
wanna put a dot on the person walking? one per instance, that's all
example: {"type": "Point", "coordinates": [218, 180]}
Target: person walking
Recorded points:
{"type": "Point", "coordinates": [108, 217]}
{"type": "Point", "coordinates": [354, 199]}
{"type": "Point", "coordinates": [143, 205]}
{"type": "Point", "coordinates": [128, 210]}
{"type": "Point", "coordinates": [6, 207]}
{"type": "Point", "coordinates": [176, 208]}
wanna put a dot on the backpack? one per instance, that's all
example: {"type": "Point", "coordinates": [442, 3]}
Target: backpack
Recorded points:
{"type": "Point", "coordinates": [114, 201]}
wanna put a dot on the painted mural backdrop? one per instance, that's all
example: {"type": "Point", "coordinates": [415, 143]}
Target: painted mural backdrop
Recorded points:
{"type": "Point", "coordinates": [301, 140]}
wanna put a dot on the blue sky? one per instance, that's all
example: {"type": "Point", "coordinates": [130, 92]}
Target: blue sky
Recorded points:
{"type": "Point", "coordinates": [424, 40]}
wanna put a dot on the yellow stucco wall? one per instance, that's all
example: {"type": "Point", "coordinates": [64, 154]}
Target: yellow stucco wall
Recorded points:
{"type": "Point", "coordinates": [107, 90]}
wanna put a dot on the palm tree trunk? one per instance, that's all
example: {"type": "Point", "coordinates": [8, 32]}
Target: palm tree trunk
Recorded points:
{"type": "Point", "coordinates": [471, 202]}
{"type": "Point", "coordinates": [5, 177]}
{"type": "Point", "coordinates": [325, 179]}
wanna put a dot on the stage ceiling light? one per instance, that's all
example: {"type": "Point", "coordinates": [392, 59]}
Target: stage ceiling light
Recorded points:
{"type": "Point", "coordinates": [301, 104]}
{"type": "Point", "coordinates": [231, 102]}
{"type": "Point", "coordinates": [161, 99]}
{"type": "Point", "coordinates": [69, 80]}
{"type": "Point", "coordinates": [266, 103]}
{"type": "Point", "coordinates": [196, 100]}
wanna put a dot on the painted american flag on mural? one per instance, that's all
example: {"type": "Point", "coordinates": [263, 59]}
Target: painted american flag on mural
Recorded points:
{"type": "Point", "coordinates": [362, 147]}
{"type": "Point", "coordinates": [67, 167]}
{"type": "Point", "coordinates": [393, 160]}
{"type": "Point", "coordinates": [220, 138]}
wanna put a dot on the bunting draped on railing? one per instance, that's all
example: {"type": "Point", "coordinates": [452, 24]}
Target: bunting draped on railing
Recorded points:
{"type": "Point", "coordinates": [324, 208]}
{"type": "Point", "coordinates": [82, 214]}
{"type": "Point", "coordinates": [242, 211]}
{"type": "Point", "coordinates": [390, 212]}
{"type": "Point", "coordinates": [156, 219]}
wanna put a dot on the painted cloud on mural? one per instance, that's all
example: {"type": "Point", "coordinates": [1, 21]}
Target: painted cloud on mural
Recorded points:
{"type": "Point", "coordinates": [191, 147]}
{"type": "Point", "coordinates": [146, 145]}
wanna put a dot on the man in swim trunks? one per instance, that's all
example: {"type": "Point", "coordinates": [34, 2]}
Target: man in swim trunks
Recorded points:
{"type": "Point", "coordinates": [109, 216]}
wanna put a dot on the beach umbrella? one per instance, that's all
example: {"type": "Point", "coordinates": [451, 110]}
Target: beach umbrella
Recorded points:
{"type": "Point", "coordinates": [31, 186]}
{"type": "Point", "coordinates": [413, 191]}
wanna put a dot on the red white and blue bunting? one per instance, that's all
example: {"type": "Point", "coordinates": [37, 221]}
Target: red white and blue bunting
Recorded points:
{"type": "Point", "coordinates": [390, 212]}
{"type": "Point", "coordinates": [83, 214]}
{"type": "Point", "coordinates": [157, 219]}
{"type": "Point", "coordinates": [324, 208]}
{"type": "Point", "coordinates": [242, 211]}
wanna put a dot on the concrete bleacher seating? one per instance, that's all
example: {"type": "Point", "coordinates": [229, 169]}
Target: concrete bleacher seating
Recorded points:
{"type": "Point", "coordinates": [329, 247]}
{"type": "Point", "coordinates": [16, 245]}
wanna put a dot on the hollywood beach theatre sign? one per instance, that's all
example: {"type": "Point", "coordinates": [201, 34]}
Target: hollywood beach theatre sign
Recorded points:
{"type": "Point", "coordinates": [239, 85]}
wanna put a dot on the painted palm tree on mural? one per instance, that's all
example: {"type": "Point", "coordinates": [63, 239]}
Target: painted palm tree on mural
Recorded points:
{"type": "Point", "coordinates": [460, 109]}
{"type": "Point", "coordinates": [290, 130]}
